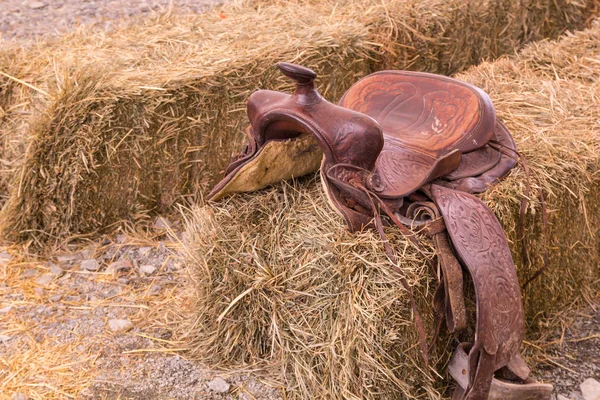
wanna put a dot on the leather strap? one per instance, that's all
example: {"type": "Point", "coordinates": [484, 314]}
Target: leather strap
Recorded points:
{"type": "Point", "coordinates": [449, 297]}
{"type": "Point", "coordinates": [392, 257]}
{"type": "Point", "coordinates": [451, 287]}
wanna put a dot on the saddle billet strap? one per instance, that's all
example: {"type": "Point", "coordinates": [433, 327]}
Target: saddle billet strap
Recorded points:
{"type": "Point", "coordinates": [451, 285]}
{"type": "Point", "coordinates": [449, 296]}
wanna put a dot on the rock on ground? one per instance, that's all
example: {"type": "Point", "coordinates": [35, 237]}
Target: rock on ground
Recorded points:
{"type": "Point", "coordinates": [219, 385]}
{"type": "Point", "coordinates": [590, 388]}
{"type": "Point", "coordinates": [90, 265]}
{"type": "Point", "coordinates": [120, 325]}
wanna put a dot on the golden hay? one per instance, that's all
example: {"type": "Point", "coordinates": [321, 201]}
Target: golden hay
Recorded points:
{"type": "Point", "coordinates": [120, 124]}
{"type": "Point", "coordinates": [282, 286]}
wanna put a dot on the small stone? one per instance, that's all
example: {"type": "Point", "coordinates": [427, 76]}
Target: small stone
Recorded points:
{"type": "Point", "coordinates": [143, 251]}
{"type": "Point", "coordinates": [121, 238]}
{"type": "Point", "coordinates": [73, 299]}
{"type": "Point", "coordinates": [44, 280]}
{"type": "Point", "coordinates": [176, 266]}
{"type": "Point", "coordinates": [155, 289]}
{"type": "Point", "coordinates": [88, 253]}
{"type": "Point", "coordinates": [39, 292]}
{"type": "Point", "coordinates": [576, 396]}
{"type": "Point", "coordinates": [219, 385]}
{"type": "Point", "coordinates": [147, 269]}
{"type": "Point", "coordinates": [35, 5]}
{"type": "Point", "coordinates": [118, 266]}
{"type": "Point", "coordinates": [56, 270]}
{"type": "Point", "coordinates": [162, 224]}
{"type": "Point", "coordinates": [29, 273]}
{"type": "Point", "coordinates": [68, 258]}
{"type": "Point", "coordinates": [18, 396]}
{"type": "Point", "coordinates": [123, 281]}
{"type": "Point", "coordinates": [56, 297]}
{"type": "Point", "coordinates": [6, 309]}
{"type": "Point", "coordinates": [5, 257]}
{"type": "Point", "coordinates": [90, 264]}
{"type": "Point", "coordinates": [590, 388]}
{"type": "Point", "coordinates": [561, 397]}
{"type": "Point", "coordinates": [4, 338]}
{"type": "Point", "coordinates": [120, 325]}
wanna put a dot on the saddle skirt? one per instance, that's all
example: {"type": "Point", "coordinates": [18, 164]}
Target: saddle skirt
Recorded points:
{"type": "Point", "coordinates": [414, 146]}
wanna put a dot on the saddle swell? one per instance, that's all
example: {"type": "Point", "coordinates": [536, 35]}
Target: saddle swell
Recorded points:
{"type": "Point", "coordinates": [415, 146]}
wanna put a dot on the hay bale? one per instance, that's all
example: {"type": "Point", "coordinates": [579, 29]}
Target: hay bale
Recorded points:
{"type": "Point", "coordinates": [283, 287]}
{"type": "Point", "coordinates": [282, 283]}
{"type": "Point", "coordinates": [17, 103]}
{"type": "Point", "coordinates": [131, 122]}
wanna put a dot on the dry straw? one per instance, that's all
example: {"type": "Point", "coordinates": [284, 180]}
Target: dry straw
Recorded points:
{"type": "Point", "coordinates": [104, 128]}
{"type": "Point", "coordinates": [283, 287]}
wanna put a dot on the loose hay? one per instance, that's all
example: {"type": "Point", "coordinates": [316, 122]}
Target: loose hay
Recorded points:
{"type": "Point", "coordinates": [282, 286]}
{"type": "Point", "coordinates": [121, 124]}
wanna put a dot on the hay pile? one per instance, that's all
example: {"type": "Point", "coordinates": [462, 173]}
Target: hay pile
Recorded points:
{"type": "Point", "coordinates": [122, 124]}
{"type": "Point", "coordinates": [282, 286]}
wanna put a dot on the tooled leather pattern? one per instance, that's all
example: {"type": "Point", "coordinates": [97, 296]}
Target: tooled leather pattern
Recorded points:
{"type": "Point", "coordinates": [492, 171]}
{"type": "Point", "coordinates": [482, 246]}
{"type": "Point", "coordinates": [475, 163]}
{"type": "Point", "coordinates": [432, 115]}
{"type": "Point", "coordinates": [399, 167]}
{"type": "Point", "coordinates": [375, 92]}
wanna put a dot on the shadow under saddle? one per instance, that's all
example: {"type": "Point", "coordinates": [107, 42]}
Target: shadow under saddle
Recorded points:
{"type": "Point", "coordinates": [413, 146]}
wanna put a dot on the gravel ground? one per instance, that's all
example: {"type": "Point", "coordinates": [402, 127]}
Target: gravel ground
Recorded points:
{"type": "Point", "coordinates": [98, 323]}
{"type": "Point", "coordinates": [572, 356]}
{"type": "Point", "coordinates": [34, 18]}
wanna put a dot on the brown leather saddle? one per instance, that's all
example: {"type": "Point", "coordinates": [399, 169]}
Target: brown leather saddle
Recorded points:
{"type": "Point", "coordinates": [412, 147]}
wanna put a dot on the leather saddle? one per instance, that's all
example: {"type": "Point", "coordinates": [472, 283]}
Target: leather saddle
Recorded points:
{"type": "Point", "coordinates": [408, 149]}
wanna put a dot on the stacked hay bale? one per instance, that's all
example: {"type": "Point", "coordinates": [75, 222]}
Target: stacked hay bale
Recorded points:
{"type": "Point", "coordinates": [121, 124]}
{"type": "Point", "coordinates": [282, 286]}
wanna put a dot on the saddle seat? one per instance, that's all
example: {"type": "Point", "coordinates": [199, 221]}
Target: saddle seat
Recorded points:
{"type": "Point", "coordinates": [428, 122]}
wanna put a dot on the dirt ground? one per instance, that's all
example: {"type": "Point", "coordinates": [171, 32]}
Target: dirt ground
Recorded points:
{"type": "Point", "coordinates": [97, 322]}
{"type": "Point", "coordinates": [30, 19]}
{"type": "Point", "coordinates": [572, 355]}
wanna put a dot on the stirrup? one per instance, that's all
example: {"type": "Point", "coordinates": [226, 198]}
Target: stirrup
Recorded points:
{"type": "Point", "coordinates": [500, 389]}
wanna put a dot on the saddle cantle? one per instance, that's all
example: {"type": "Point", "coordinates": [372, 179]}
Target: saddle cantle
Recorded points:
{"type": "Point", "coordinates": [415, 146]}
